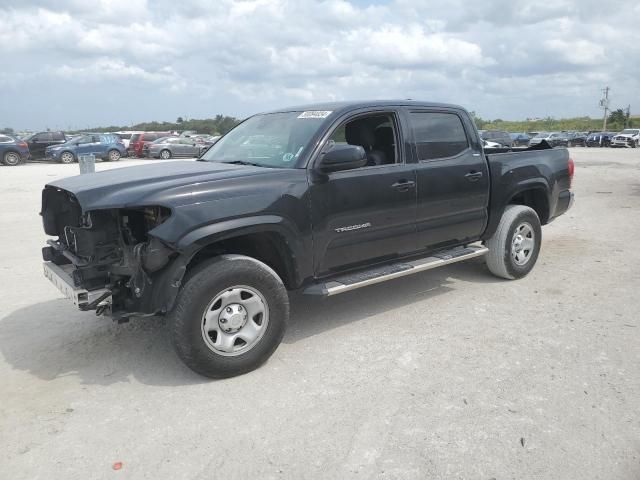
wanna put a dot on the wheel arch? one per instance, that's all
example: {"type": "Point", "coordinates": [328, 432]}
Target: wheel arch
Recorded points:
{"type": "Point", "coordinates": [270, 239]}
{"type": "Point", "coordinates": [535, 197]}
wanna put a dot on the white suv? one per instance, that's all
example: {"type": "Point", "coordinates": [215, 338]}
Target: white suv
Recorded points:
{"type": "Point", "coordinates": [629, 137]}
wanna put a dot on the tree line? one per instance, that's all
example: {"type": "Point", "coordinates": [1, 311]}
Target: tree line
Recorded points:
{"type": "Point", "coordinates": [616, 121]}
{"type": "Point", "coordinates": [221, 124]}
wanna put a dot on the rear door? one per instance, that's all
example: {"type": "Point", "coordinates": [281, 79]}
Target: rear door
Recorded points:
{"type": "Point", "coordinates": [452, 175]}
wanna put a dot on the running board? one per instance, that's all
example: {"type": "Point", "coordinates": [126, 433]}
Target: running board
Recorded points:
{"type": "Point", "coordinates": [388, 272]}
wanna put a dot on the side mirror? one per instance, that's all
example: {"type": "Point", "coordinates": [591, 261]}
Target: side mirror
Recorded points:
{"type": "Point", "coordinates": [343, 157]}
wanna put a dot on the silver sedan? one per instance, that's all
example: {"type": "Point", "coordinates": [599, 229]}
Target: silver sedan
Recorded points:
{"type": "Point", "coordinates": [170, 147]}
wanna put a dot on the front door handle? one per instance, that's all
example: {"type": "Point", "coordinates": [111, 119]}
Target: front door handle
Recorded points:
{"type": "Point", "coordinates": [404, 185]}
{"type": "Point", "coordinates": [473, 176]}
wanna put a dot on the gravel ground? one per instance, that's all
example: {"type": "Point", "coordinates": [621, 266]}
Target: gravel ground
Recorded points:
{"type": "Point", "coordinates": [448, 374]}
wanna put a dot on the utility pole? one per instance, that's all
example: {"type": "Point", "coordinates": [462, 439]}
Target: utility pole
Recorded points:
{"type": "Point", "coordinates": [604, 103]}
{"type": "Point", "coordinates": [627, 117]}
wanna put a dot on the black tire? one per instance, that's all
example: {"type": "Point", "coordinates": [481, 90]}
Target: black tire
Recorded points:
{"type": "Point", "coordinates": [113, 155]}
{"type": "Point", "coordinates": [500, 258]}
{"type": "Point", "coordinates": [67, 157]}
{"type": "Point", "coordinates": [165, 154]}
{"type": "Point", "coordinates": [11, 159]}
{"type": "Point", "coordinates": [207, 281]}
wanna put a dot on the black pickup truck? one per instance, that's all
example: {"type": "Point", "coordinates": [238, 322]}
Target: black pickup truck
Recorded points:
{"type": "Point", "coordinates": [321, 199]}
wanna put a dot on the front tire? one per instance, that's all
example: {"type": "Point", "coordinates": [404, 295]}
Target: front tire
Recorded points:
{"type": "Point", "coordinates": [165, 154]}
{"type": "Point", "coordinates": [514, 247]}
{"type": "Point", "coordinates": [11, 159]}
{"type": "Point", "coordinates": [67, 157]}
{"type": "Point", "coordinates": [229, 317]}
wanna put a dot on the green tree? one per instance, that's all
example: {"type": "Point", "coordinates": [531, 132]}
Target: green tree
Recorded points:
{"type": "Point", "coordinates": [180, 120]}
{"type": "Point", "coordinates": [617, 116]}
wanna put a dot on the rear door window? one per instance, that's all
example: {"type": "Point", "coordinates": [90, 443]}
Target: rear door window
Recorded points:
{"type": "Point", "coordinates": [438, 135]}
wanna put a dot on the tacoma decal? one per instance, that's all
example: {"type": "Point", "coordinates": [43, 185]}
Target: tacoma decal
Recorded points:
{"type": "Point", "coordinates": [353, 227]}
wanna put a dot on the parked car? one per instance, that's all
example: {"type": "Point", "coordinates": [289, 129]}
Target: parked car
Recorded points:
{"type": "Point", "coordinates": [554, 139]}
{"type": "Point", "coordinates": [520, 139]}
{"type": "Point", "coordinates": [497, 136]}
{"type": "Point", "coordinates": [576, 139]}
{"type": "Point", "coordinates": [13, 151]}
{"type": "Point", "coordinates": [216, 244]}
{"type": "Point", "coordinates": [629, 137]}
{"type": "Point", "coordinates": [38, 142]}
{"type": "Point", "coordinates": [108, 147]}
{"type": "Point", "coordinates": [599, 139]}
{"type": "Point", "coordinates": [494, 147]}
{"type": "Point", "coordinates": [138, 141]}
{"type": "Point", "coordinates": [170, 147]}
{"type": "Point", "coordinates": [125, 136]}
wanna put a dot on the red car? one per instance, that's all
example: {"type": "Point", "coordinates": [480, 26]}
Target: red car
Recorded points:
{"type": "Point", "coordinates": [138, 141]}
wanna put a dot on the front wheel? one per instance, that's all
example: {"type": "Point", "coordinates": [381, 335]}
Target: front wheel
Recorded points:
{"type": "Point", "coordinates": [514, 247]}
{"type": "Point", "coordinates": [67, 157]}
{"type": "Point", "coordinates": [229, 317]}
{"type": "Point", "coordinates": [11, 159]}
{"type": "Point", "coordinates": [165, 154]}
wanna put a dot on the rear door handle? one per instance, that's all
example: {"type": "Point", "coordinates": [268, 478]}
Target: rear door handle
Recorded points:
{"type": "Point", "coordinates": [473, 176]}
{"type": "Point", "coordinates": [404, 185]}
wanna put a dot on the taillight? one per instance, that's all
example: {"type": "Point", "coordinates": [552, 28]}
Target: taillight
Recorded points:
{"type": "Point", "coordinates": [23, 144]}
{"type": "Point", "coordinates": [572, 169]}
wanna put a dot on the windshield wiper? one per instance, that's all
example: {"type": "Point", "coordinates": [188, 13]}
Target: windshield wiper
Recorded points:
{"type": "Point", "coordinates": [244, 162]}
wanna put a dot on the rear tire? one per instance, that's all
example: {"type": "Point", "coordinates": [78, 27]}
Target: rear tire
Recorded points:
{"type": "Point", "coordinates": [514, 247]}
{"type": "Point", "coordinates": [11, 159]}
{"type": "Point", "coordinates": [113, 156]}
{"type": "Point", "coordinates": [229, 317]}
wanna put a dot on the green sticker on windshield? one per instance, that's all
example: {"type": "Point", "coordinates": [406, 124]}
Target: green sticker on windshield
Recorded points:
{"type": "Point", "coordinates": [315, 114]}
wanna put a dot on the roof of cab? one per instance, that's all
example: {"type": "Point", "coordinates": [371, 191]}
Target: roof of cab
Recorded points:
{"type": "Point", "coordinates": [341, 107]}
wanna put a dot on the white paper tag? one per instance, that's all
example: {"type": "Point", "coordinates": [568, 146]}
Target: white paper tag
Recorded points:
{"type": "Point", "coordinates": [315, 114]}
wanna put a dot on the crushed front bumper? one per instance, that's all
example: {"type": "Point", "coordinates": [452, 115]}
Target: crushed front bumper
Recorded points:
{"type": "Point", "coordinates": [61, 277]}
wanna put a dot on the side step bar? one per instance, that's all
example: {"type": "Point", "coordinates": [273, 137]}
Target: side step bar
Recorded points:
{"type": "Point", "coordinates": [388, 272]}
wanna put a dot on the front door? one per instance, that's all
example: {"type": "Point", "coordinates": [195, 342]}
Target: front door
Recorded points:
{"type": "Point", "coordinates": [453, 179]}
{"type": "Point", "coordinates": [366, 214]}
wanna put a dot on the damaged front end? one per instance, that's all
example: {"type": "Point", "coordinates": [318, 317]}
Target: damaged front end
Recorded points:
{"type": "Point", "coordinates": [108, 260]}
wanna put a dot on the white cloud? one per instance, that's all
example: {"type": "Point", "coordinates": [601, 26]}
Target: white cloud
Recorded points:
{"type": "Point", "coordinates": [508, 58]}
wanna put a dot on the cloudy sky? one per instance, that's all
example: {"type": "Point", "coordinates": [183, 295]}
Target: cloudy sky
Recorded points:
{"type": "Point", "coordinates": [80, 63]}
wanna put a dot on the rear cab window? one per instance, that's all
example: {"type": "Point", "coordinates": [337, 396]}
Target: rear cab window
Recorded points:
{"type": "Point", "coordinates": [438, 135]}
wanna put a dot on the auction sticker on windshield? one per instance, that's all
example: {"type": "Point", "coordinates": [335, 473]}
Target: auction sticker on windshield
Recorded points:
{"type": "Point", "coordinates": [315, 114]}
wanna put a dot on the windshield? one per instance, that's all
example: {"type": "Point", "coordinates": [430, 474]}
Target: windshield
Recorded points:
{"type": "Point", "coordinates": [628, 131]}
{"type": "Point", "coordinates": [80, 139]}
{"type": "Point", "coordinates": [542, 135]}
{"type": "Point", "coordinates": [268, 140]}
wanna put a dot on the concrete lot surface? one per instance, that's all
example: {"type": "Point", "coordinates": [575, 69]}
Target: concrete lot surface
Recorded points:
{"type": "Point", "coordinates": [448, 374]}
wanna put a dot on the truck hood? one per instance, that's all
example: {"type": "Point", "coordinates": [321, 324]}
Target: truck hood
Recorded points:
{"type": "Point", "coordinates": [166, 183]}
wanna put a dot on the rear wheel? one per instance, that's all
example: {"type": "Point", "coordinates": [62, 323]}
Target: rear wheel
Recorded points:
{"type": "Point", "coordinates": [514, 247]}
{"type": "Point", "coordinates": [11, 159]}
{"type": "Point", "coordinates": [67, 157]}
{"type": "Point", "coordinates": [113, 156]}
{"type": "Point", "coordinates": [229, 317]}
{"type": "Point", "coordinates": [165, 154]}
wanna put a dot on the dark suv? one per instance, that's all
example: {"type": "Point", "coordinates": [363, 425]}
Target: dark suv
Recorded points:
{"type": "Point", "coordinates": [497, 136]}
{"type": "Point", "coordinates": [38, 142]}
